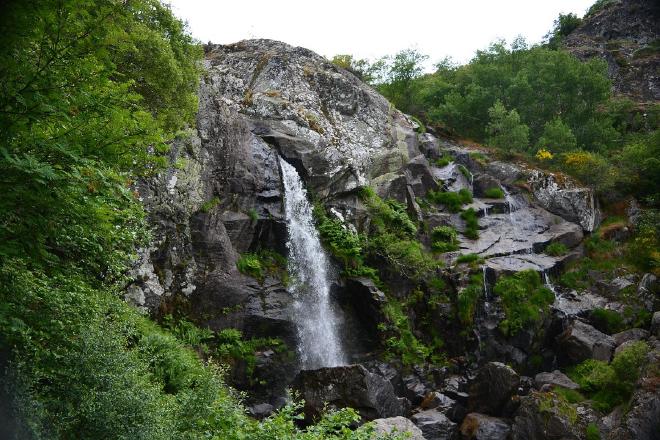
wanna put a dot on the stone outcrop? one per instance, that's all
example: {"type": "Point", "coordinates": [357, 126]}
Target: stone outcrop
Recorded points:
{"type": "Point", "coordinates": [624, 33]}
{"type": "Point", "coordinates": [482, 427]}
{"type": "Point", "coordinates": [397, 426]}
{"type": "Point", "coordinates": [351, 386]}
{"type": "Point", "coordinates": [492, 389]}
{"type": "Point", "coordinates": [581, 341]}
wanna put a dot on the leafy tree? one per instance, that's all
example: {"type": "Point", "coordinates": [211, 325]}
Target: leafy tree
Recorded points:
{"type": "Point", "coordinates": [505, 130]}
{"type": "Point", "coordinates": [371, 73]}
{"type": "Point", "coordinates": [400, 72]}
{"type": "Point", "coordinates": [557, 137]}
{"type": "Point", "coordinates": [562, 27]}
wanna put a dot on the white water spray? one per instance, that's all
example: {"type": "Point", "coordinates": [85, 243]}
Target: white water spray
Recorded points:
{"type": "Point", "coordinates": [548, 283]}
{"type": "Point", "coordinates": [308, 266]}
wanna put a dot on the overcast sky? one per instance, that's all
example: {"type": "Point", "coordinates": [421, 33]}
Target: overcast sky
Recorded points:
{"type": "Point", "coordinates": [370, 28]}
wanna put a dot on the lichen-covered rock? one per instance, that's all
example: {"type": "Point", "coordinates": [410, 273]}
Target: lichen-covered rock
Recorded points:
{"type": "Point", "coordinates": [544, 416]}
{"type": "Point", "coordinates": [398, 425]}
{"type": "Point", "coordinates": [573, 203]}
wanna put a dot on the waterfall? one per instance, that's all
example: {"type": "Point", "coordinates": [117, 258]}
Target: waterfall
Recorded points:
{"type": "Point", "coordinates": [548, 283]}
{"type": "Point", "coordinates": [309, 268]}
{"type": "Point", "coordinates": [486, 286]}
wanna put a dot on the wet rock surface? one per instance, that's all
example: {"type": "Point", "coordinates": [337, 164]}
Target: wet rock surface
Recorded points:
{"type": "Point", "coordinates": [434, 425]}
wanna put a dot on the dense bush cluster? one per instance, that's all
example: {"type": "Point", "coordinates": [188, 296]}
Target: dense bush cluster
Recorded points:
{"type": "Point", "coordinates": [524, 299]}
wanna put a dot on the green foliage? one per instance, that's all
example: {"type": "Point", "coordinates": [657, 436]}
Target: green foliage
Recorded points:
{"type": "Point", "coordinates": [444, 239]}
{"type": "Point", "coordinates": [562, 27]}
{"type": "Point", "coordinates": [611, 385]}
{"type": "Point", "coordinates": [607, 321]}
{"type": "Point", "coordinates": [592, 432]}
{"type": "Point", "coordinates": [524, 299]}
{"type": "Point", "coordinates": [494, 193]}
{"type": "Point", "coordinates": [598, 6]}
{"type": "Point", "coordinates": [451, 200]}
{"type": "Point", "coordinates": [571, 396]}
{"type": "Point", "coordinates": [209, 204]}
{"type": "Point", "coordinates": [254, 216]}
{"type": "Point", "coordinates": [442, 161]}
{"type": "Point", "coordinates": [504, 129]}
{"type": "Point", "coordinates": [343, 244]}
{"type": "Point", "coordinates": [403, 342]}
{"type": "Point", "coordinates": [370, 73]}
{"type": "Point", "coordinates": [262, 263]}
{"type": "Point", "coordinates": [250, 264]}
{"type": "Point", "coordinates": [398, 84]}
{"type": "Point", "coordinates": [557, 137]}
{"type": "Point", "coordinates": [467, 300]}
{"type": "Point", "coordinates": [471, 224]}
{"type": "Point", "coordinates": [389, 215]}
{"type": "Point", "coordinates": [468, 258]}
{"type": "Point", "coordinates": [232, 347]}
{"type": "Point", "coordinates": [556, 249]}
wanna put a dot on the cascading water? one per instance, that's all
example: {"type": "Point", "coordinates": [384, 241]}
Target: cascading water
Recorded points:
{"type": "Point", "coordinates": [309, 269]}
{"type": "Point", "coordinates": [548, 283]}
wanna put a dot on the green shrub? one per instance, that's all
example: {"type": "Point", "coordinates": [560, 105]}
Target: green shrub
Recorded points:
{"type": "Point", "coordinates": [403, 343]}
{"type": "Point", "coordinates": [571, 396]}
{"type": "Point", "coordinates": [467, 300]}
{"type": "Point", "coordinates": [505, 130]}
{"type": "Point", "coordinates": [209, 204]}
{"type": "Point", "coordinates": [253, 214]}
{"type": "Point", "coordinates": [442, 161]}
{"type": "Point", "coordinates": [388, 214]}
{"type": "Point", "coordinates": [592, 432]}
{"type": "Point", "coordinates": [494, 193]}
{"type": "Point", "coordinates": [262, 263]}
{"type": "Point", "coordinates": [611, 385]}
{"type": "Point", "coordinates": [471, 223]}
{"type": "Point", "coordinates": [524, 299]}
{"type": "Point", "coordinates": [607, 321]}
{"type": "Point", "coordinates": [408, 257]}
{"type": "Point", "coordinates": [444, 239]}
{"type": "Point", "coordinates": [250, 264]}
{"type": "Point", "coordinates": [468, 258]}
{"type": "Point", "coordinates": [556, 249]}
{"type": "Point", "coordinates": [451, 200]}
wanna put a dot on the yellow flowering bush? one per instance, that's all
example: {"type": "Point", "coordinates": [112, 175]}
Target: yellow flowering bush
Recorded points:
{"type": "Point", "coordinates": [590, 168]}
{"type": "Point", "coordinates": [544, 154]}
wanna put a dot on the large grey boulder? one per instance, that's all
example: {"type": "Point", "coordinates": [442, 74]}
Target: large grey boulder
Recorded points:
{"type": "Point", "coordinates": [444, 404]}
{"type": "Point", "coordinates": [349, 386]}
{"type": "Point", "coordinates": [397, 425]}
{"type": "Point", "coordinates": [573, 203]}
{"type": "Point", "coordinates": [648, 291]}
{"type": "Point", "coordinates": [434, 425]}
{"type": "Point", "coordinates": [338, 131]}
{"type": "Point", "coordinates": [492, 388]}
{"type": "Point", "coordinates": [632, 334]}
{"type": "Point", "coordinates": [581, 341]}
{"type": "Point", "coordinates": [655, 324]}
{"type": "Point", "coordinates": [556, 378]}
{"type": "Point", "coordinates": [543, 416]}
{"type": "Point", "coordinates": [482, 427]}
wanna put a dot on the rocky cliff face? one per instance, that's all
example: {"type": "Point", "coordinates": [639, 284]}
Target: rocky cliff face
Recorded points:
{"type": "Point", "coordinates": [223, 196]}
{"type": "Point", "coordinates": [626, 34]}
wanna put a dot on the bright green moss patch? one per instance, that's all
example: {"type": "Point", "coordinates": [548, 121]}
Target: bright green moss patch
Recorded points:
{"type": "Point", "coordinates": [494, 193]}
